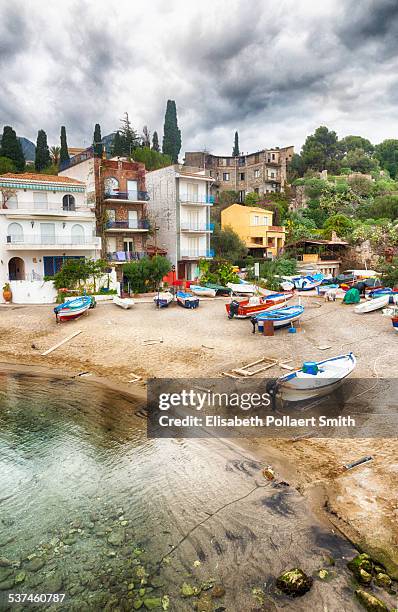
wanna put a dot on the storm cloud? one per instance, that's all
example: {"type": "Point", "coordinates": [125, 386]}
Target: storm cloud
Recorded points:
{"type": "Point", "coordinates": [272, 71]}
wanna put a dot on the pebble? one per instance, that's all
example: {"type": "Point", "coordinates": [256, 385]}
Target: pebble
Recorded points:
{"type": "Point", "coordinates": [35, 564]}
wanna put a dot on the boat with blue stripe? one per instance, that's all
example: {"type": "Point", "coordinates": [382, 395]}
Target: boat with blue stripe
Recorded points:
{"type": "Point", "coordinates": [279, 317]}
{"type": "Point", "coordinates": [187, 300]}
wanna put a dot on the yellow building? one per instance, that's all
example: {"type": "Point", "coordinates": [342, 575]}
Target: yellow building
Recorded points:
{"type": "Point", "coordinates": [254, 226]}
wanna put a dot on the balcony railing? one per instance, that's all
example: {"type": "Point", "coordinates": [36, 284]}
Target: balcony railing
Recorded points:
{"type": "Point", "coordinates": [197, 227]}
{"type": "Point", "coordinates": [37, 239]}
{"type": "Point", "coordinates": [123, 256]}
{"type": "Point", "coordinates": [276, 228]}
{"type": "Point", "coordinates": [138, 225]}
{"type": "Point", "coordinates": [194, 199]}
{"type": "Point", "coordinates": [32, 207]}
{"type": "Point", "coordinates": [130, 196]}
{"type": "Point", "coordinates": [197, 254]}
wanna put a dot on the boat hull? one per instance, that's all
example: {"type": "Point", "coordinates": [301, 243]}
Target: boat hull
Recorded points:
{"type": "Point", "coordinates": [73, 309]}
{"type": "Point", "coordinates": [372, 305]}
{"type": "Point", "coordinates": [187, 300]}
{"type": "Point", "coordinates": [280, 317]}
{"type": "Point", "coordinates": [125, 303]}
{"type": "Point", "coordinates": [202, 291]}
{"type": "Point", "coordinates": [162, 300]}
{"type": "Point", "coordinates": [298, 386]}
{"type": "Point", "coordinates": [246, 310]}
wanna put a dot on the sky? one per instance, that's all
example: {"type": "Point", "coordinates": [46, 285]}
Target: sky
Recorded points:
{"type": "Point", "coordinates": [273, 70]}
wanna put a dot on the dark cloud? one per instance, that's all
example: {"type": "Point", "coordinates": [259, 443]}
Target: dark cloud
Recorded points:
{"type": "Point", "coordinates": [274, 71]}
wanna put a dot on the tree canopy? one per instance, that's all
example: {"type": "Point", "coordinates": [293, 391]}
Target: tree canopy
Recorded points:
{"type": "Point", "coordinates": [97, 140]}
{"type": "Point", "coordinates": [42, 159]}
{"type": "Point", "coordinates": [171, 132]}
{"type": "Point", "coordinates": [235, 150]}
{"type": "Point", "coordinates": [227, 244]}
{"type": "Point", "coordinates": [64, 153]}
{"type": "Point", "coordinates": [387, 154]}
{"type": "Point", "coordinates": [321, 151]}
{"type": "Point", "coordinates": [11, 148]}
{"type": "Point", "coordinates": [155, 142]}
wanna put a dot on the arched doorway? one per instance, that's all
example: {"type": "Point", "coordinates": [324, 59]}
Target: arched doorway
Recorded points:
{"type": "Point", "coordinates": [15, 233]}
{"type": "Point", "coordinates": [68, 202]}
{"type": "Point", "coordinates": [16, 269]}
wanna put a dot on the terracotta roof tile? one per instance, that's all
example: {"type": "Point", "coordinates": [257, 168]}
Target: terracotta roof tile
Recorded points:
{"type": "Point", "coordinates": [48, 178]}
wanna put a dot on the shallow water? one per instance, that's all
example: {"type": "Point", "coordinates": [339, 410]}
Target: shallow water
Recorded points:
{"type": "Point", "coordinates": [91, 508]}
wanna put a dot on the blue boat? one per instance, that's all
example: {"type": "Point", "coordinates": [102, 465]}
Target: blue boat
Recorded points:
{"type": "Point", "coordinates": [74, 308]}
{"type": "Point", "coordinates": [279, 317]}
{"type": "Point", "coordinates": [187, 300]}
{"type": "Point", "coordinates": [307, 283]}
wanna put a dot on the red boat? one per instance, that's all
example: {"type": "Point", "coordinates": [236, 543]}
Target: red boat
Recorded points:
{"type": "Point", "coordinates": [256, 304]}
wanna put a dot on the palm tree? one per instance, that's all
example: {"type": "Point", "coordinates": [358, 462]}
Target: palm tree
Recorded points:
{"type": "Point", "coordinates": [55, 153]}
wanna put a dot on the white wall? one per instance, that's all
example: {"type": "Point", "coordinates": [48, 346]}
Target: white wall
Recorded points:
{"type": "Point", "coordinates": [34, 292]}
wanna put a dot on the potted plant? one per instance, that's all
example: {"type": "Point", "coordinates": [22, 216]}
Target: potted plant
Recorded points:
{"type": "Point", "coordinates": [7, 293]}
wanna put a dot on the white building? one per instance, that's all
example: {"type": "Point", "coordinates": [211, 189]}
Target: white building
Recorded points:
{"type": "Point", "coordinates": [44, 220]}
{"type": "Point", "coordinates": [180, 204]}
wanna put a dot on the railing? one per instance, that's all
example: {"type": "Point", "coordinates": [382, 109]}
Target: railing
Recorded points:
{"type": "Point", "coordinates": [37, 239]}
{"type": "Point", "coordinates": [123, 256]}
{"type": "Point", "coordinates": [131, 196]}
{"type": "Point", "coordinates": [191, 199]}
{"type": "Point", "coordinates": [196, 254]}
{"type": "Point", "coordinates": [77, 159]}
{"type": "Point", "coordinates": [139, 224]}
{"type": "Point", "coordinates": [197, 227]}
{"type": "Point", "coordinates": [276, 228]}
{"type": "Point", "coordinates": [33, 206]}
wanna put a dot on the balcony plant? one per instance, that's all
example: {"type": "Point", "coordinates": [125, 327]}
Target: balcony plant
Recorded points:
{"type": "Point", "coordinates": [7, 293]}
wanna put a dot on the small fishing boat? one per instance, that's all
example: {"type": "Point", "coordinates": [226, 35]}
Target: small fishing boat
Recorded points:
{"type": "Point", "coordinates": [314, 379]}
{"type": "Point", "coordinates": [219, 289]}
{"type": "Point", "coordinates": [371, 305]}
{"type": "Point", "coordinates": [125, 303]}
{"type": "Point", "coordinates": [256, 304]}
{"type": "Point", "coordinates": [244, 288]}
{"type": "Point", "coordinates": [203, 291]}
{"type": "Point", "coordinates": [306, 283]}
{"type": "Point", "coordinates": [279, 317]}
{"type": "Point", "coordinates": [163, 299]}
{"type": "Point", "coordinates": [74, 308]}
{"type": "Point", "coordinates": [322, 289]}
{"type": "Point", "coordinates": [374, 293]}
{"type": "Point", "coordinates": [187, 300]}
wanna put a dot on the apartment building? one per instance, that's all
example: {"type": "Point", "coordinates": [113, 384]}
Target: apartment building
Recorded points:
{"type": "Point", "coordinates": [116, 189]}
{"type": "Point", "coordinates": [262, 172]}
{"type": "Point", "coordinates": [44, 221]}
{"type": "Point", "coordinates": [180, 203]}
{"type": "Point", "coordinates": [254, 226]}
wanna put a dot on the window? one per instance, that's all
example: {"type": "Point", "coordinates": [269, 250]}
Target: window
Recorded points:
{"type": "Point", "coordinates": [272, 174]}
{"type": "Point", "coordinates": [111, 214]}
{"type": "Point", "coordinates": [241, 176]}
{"type": "Point", "coordinates": [10, 202]}
{"type": "Point", "coordinates": [256, 220]}
{"type": "Point", "coordinates": [47, 233]}
{"type": "Point", "coordinates": [128, 245]}
{"type": "Point", "coordinates": [52, 264]}
{"type": "Point", "coordinates": [256, 190]}
{"type": "Point", "coordinates": [111, 186]}
{"type": "Point", "coordinates": [15, 233]}
{"type": "Point", "coordinates": [68, 202]}
{"type": "Point", "coordinates": [257, 173]}
{"type": "Point", "coordinates": [273, 156]}
{"type": "Point", "coordinates": [77, 234]}
{"type": "Point", "coordinates": [133, 219]}
{"type": "Point", "coordinates": [211, 172]}
{"type": "Point", "coordinates": [242, 195]}
{"type": "Point", "coordinates": [225, 176]}
{"type": "Point", "coordinates": [265, 220]}
{"type": "Point", "coordinates": [40, 200]}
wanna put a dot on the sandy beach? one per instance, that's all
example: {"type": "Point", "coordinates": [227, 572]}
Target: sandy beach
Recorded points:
{"type": "Point", "coordinates": [361, 503]}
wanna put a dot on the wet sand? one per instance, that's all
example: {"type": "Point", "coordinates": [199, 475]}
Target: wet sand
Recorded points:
{"type": "Point", "coordinates": [362, 503]}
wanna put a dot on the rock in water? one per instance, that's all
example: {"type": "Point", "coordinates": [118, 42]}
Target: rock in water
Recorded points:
{"type": "Point", "coordinates": [4, 562]}
{"type": "Point", "coordinates": [294, 582]}
{"type": "Point", "coordinates": [370, 602]}
{"type": "Point", "coordinates": [383, 580]}
{"type": "Point", "coordinates": [116, 537]}
{"type": "Point", "coordinates": [35, 565]}
{"type": "Point", "coordinates": [361, 566]}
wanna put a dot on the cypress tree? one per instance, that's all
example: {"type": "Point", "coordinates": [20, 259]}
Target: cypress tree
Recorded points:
{"type": "Point", "coordinates": [97, 140]}
{"type": "Point", "coordinates": [146, 137]}
{"type": "Point", "coordinates": [12, 148]}
{"type": "Point", "coordinates": [64, 153]}
{"type": "Point", "coordinates": [42, 159]}
{"type": "Point", "coordinates": [171, 133]}
{"type": "Point", "coordinates": [235, 150]}
{"type": "Point", "coordinates": [155, 142]}
{"type": "Point", "coordinates": [117, 145]}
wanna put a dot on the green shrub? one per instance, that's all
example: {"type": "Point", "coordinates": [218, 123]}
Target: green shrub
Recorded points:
{"type": "Point", "coordinates": [146, 274]}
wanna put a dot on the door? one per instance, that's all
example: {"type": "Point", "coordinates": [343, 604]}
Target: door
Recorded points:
{"type": "Point", "coordinates": [192, 189]}
{"type": "Point", "coordinates": [128, 245]}
{"type": "Point", "coordinates": [132, 189]}
{"type": "Point", "coordinates": [193, 247]}
{"type": "Point", "coordinates": [40, 201]}
{"type": "Point", "coordinates": [47, 232]}
{"type": "Point", "coordinates": [193, 219]}
{"type": "Point", "coordinates": [133, 219]}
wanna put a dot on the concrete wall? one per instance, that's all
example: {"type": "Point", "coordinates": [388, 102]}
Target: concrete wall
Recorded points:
{"type": "Point", "coordinates": [162, 188]}
{"type": "Point", "coordinates": [33, 292]}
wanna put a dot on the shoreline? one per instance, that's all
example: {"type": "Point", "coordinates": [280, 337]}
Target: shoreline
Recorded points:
{"type": "Point", "coordinates": [360, 503]}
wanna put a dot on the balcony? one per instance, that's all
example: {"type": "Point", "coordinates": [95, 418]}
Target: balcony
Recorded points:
{"type": "Point", "coordinates": [141, 225]}
{"type": "Point", "coordinates": [197, 227]}
{"type": "Point", "coordinates": [22, 209]}
{"type": "Point", "coordinates": [38, 242]}
{"type": "Point", "coordinates": [128, 196]}
{"type": "Point", "coordinates": [185, 198]}
{"type": "Point", "coordinates": [276, 228]}
{"type": "Point", "coordinates": [120, 257]}
{"type": "Point", "coordinates": [197, 254]}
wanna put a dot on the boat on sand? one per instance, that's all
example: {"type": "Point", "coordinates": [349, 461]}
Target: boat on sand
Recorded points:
{"type": "Point", "coordinates": [74, 308]}
{"type": "Point", "coordinates": [125, 303]}
{"type": "Point", "coordinates": [256, 304]}
{"type": "Point", "coordinates": [314, 379]}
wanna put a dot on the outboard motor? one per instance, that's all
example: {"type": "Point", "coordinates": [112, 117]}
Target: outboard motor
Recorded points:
{"type": "Point", "coordinates": [233, 309]}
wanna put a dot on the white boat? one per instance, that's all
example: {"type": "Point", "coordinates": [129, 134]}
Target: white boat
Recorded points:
{"type": "Point", "coordinates": [163, 299]}
{"type": "Point", "coordinates": [371, 305]}
{"type": "Point", "coordinates": [279, 316]}
{"type": "Point", "coordinates": [125, 303]}
{"type": "Point", "coordinates": [202, 291]}
{"type": "Point", "coordinates": [314, 379]}
{"type": "Point", "coordinates": [246, 289]}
